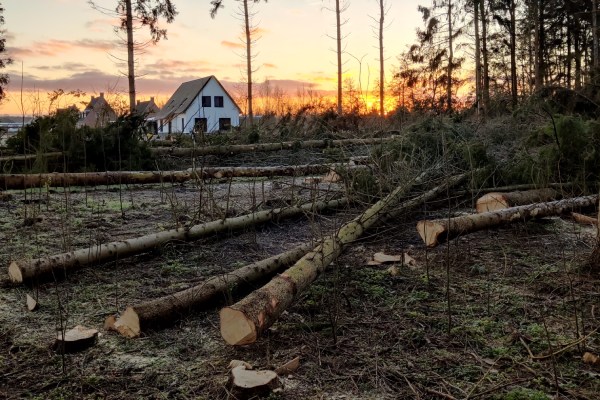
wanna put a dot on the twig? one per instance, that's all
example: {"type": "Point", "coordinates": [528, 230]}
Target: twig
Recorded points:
{"type": "Point", "coordinates": [563, 349]}
{"type": "Point", "coordinates": [441, 394]}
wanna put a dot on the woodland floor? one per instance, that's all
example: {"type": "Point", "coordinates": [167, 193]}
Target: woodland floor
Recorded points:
{"type": "Point", "coordinates": [360, 332]}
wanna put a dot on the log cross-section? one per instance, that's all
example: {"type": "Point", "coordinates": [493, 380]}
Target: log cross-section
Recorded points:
{"type": "Point", "coordinates": [243, 322]}
{"type": "Point", "coordinates": [27, 270]}
{"type": "Point", "coordinates": [497, 201]}
{"type": "Point", "coordinates": [434, 232]}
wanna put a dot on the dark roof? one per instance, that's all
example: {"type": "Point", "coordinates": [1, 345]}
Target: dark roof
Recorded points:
{"type": "Point", "coordinates": [185, 95]}
{"type": "Point", "coordinates": [146, 107]}
{"type": "Point", "coordinates": [98, 103]}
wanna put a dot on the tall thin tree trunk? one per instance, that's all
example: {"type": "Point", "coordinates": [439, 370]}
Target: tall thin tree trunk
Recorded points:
{"type": "Point", "coordinates": [477, 56]}
{"type": "Point", "coordinates": [248, 61]}
{"type": "Point", "coordinates": [381, 60]}
{"type": "Point", "coordinates": [130, 55]}
{"type": "Point", "coordinates": [577, 53]}
{"type": "Point", "coordinates": [450, 59]}
{"type": "Point", "coordinates": [596, 60]}
{"type": "Point", "coordinates": [339, 55]}
{"type": "Point", "coordinates": [486, 78]}
{"type": "Point", "coordinates": [539, 45]}
{"type": "Point", "coordinates": [513, 54]}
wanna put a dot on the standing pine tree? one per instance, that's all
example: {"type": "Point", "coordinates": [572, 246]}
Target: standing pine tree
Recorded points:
{"type": "Point", "coordinates": [4, 61]}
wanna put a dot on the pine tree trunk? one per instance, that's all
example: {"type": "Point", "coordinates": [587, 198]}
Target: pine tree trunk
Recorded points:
{"type": "Point", "coordinates": [58, 265]}
{"type": "Point", "coordinates": [243, 322]}
{"type": "Point", "coordinates": [130, 55]}
{"type": "Point", "coordinates": [248, 61]}
{"type": "Point", "coordinates": [450, 59]}
{"type": "Point", "coordinates": [478, 93]}
{"type": "Point", "coordinates": [167, 309]}
{"type": "Point", "coordinates": [498, 201]}
{"type": "Point", "coordinates": [513, 55]}
{"type": "Point", "coordinates": [434, 232]}
{"type": "Point", "coordinates": [381, 60]}
{"type": "Point", "coordinates": [485, 75]}
{"type": "Point", "coordinates": [251, 148]}
{"type": "Point", "coordinates": [338, 25]}
{"type": "Point", "coordinates": [57, 179]}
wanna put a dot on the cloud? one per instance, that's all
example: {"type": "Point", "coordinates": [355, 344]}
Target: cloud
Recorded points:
{"type": "Point", "coordinates": [232, 45]}
{"type": "Point", "coordinates": [55, 47]}
{"type": "Point", "coordinates": [269, 65]}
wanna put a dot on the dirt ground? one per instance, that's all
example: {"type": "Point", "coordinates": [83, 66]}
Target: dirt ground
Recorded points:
{"type": "Point", "coordinates": [517, 296]}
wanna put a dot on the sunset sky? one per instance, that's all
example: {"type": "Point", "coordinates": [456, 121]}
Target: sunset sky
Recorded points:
{"type": "Point", "coordinates": [65, 44]}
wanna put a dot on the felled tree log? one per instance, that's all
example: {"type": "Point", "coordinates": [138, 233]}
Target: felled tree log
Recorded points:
{"type": "Point", "coordinates": [56, 179]}
{"type": "Point", "coordinates": [27, 270]}
{"type": "Point", "coordinates": [498, 201]}
{"type": "Point", "coordinates": [243, 322]}
{"type": "Point", "coordinates": [434, 232]}
{"type": "Point", "coordinates": [251, 148]}
{"type": "Point", "coordinates": [27, 157]}
{"type": "Point", "coordinates": [169, 308]}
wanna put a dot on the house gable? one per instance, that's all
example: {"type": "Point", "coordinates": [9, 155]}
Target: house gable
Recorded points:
{"type": "Point", "coordinates": [185, 111]}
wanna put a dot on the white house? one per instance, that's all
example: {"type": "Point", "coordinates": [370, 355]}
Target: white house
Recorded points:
{"type": "Point", "coordinates": [202, 105]}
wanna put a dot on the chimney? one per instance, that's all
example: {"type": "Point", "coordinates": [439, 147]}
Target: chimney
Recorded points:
{"type": "Point", "coordinates": [102, 94]}
{"type": "Point", "coordinates": [92, 99]}
{"type": "Point", "coordinates": [152, 99]}
{"type": "Point", "coordinates": [138, 102]}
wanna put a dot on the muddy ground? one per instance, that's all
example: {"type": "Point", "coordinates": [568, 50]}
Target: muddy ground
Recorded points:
{"type": "Point", "coordinates": [361, 333]}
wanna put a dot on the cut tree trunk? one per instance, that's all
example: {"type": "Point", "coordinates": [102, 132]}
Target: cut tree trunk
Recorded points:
{"type": "Point", "coordinates": [76, 339]}
{"type": "Point", "coordinates": [437, 231]}
{"type": "Point", "coordinates": [243, 322]}
{"type": "Point", "coordinates": [251, 148]}
{"type": "Point", "coordinates": [498, 201]}
{"type": "Point", "coordinates": [56, 179]}
{"type": "Point", "coordinates": [167, 309]}
{"type": "Point", "coordinates": [28, 157]}
{"type": "Point", "coordinates": [27, 270]}
{"type": "Point", "coordinates": [246, 384]}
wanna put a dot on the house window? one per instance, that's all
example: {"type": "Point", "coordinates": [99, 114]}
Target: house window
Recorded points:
{"type": "Point", "coordinates": [224, 124]}
{"type": "Point", "coordinates": [161, 125]}
{"type": "Point", "coordinates": [200, 124]}
{"type": "Point", "coordinates": [182, 125]}
{"type": "Point", "coordinates": [170, 126]}
{"type": "Point", "coordinates": [206, 101]}
{"type": "Point", "coordinates": [219, 101]}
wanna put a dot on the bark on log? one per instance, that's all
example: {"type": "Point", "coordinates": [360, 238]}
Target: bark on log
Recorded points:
{"type": "Point", "coordinates": [56, 179]}
{"type": "Point", "coordinates": [434, 232]}
{"type": "Point", "coordinates": [498, 201]}
{"type": "Point", "coordinates": [243, 322]}
{"type": "Point", "coordinates": [27, 270]}
{"type": "Point", "coordinates": [27, 157]}
{"type": "Point", "coordinates": [167, 309]}
{"type": "Point", "coordinates": [251, 148]}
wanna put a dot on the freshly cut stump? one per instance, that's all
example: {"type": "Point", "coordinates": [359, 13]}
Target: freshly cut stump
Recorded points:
{"type": "Point", "coordinates": [498, 201]}
{"type": "Point", "coordinates": [249, 383]}
{"type": "Point", "coordinates": [77, 339]}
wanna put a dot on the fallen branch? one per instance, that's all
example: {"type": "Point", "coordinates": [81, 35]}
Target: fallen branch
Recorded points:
{"type": "Point", "coordinates": [26, 270]}
{"type": "Point", "coordinates": [243, 322]}
{"type": "Point", "coordinates": [437, 231]}
{"type": "Point", "coordinates": [57, 179]}
{"type": "Point", "coordinates": [498, 201]}
{"type": "Point", "coordinates": [251, 148]}
{"type": "Point", "coordinates": [167, 309]}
